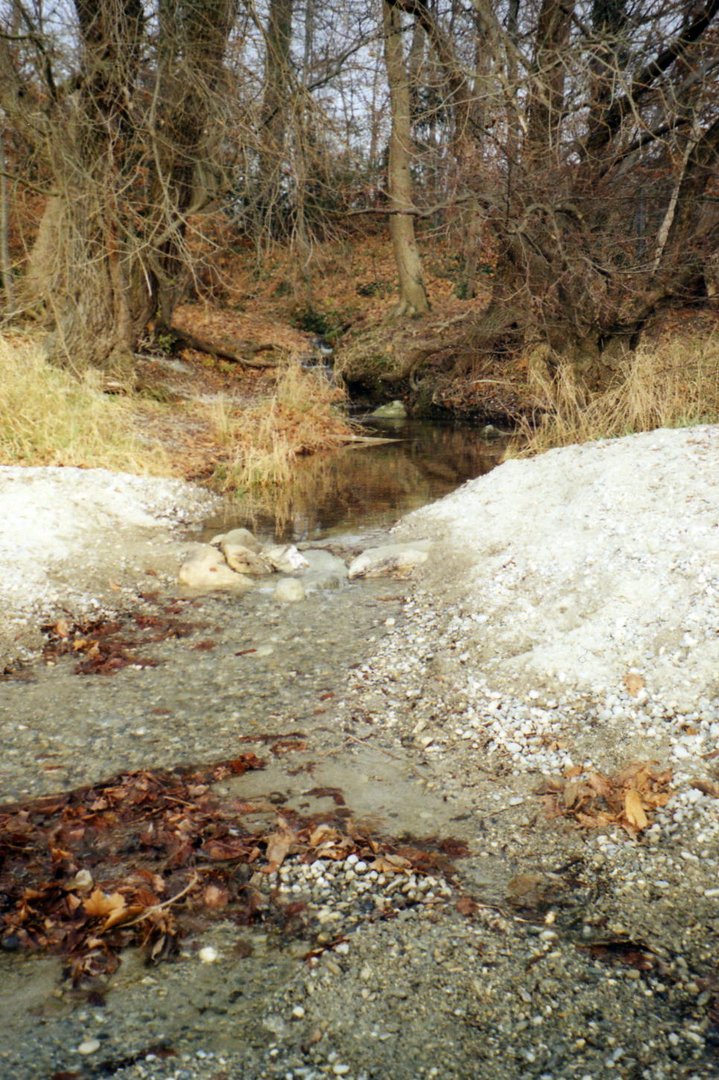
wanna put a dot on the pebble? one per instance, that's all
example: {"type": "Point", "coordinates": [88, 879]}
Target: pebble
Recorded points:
{"type": "Point", "coordinates": [89, 1046]}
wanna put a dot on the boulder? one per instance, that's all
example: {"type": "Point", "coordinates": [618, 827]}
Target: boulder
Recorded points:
{"type": "Point", "coordinates": [244, 561]}
{"type": "Point", "coordinates": [285, 558]}
{"type": "Point", "coordinates": [289, 590]}
{"type": "Point", "coordinates": [206, 569]}
{"type": "Point", "coordinates": [243, 537]}
{"type": "Point", "coordinates": [325, 571]}
{"type": "Point", "coordinates": [393, 410]}
{"type": "Point", "coordinates": [395, 559]}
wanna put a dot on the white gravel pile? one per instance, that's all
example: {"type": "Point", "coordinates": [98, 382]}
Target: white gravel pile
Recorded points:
{"type": "Point", "coordinates": [588, 564]}
{"type": "Point", "coordinates": [67, 534]}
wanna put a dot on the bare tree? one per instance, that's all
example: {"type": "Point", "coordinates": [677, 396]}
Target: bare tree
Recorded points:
{"type": "Point", "coordinates": [413, 296]}
{"type": "Point", "coordinates": [117, 109]}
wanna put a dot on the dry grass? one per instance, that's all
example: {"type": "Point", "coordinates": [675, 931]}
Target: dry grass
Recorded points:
{"type": "Point", "coordinates": [263, 442]}
{"type": "Point", "coordinates": [670, 384]}
{"type": "Point", "coordinates": [50, 417]}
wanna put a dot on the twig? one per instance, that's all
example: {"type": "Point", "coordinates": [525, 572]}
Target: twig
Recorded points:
{"type": "Point", "coordinates": [166, 903]}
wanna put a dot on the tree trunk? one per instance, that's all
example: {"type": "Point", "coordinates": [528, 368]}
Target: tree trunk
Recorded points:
{"type": "Point", "coordinates": [125, 157]}
{"type": "Point", "coordinates": [5, 260]}
{"type": "Point", "coordinates": [273, 131]}
{"type": "Point", "coordinates": [412, 294]}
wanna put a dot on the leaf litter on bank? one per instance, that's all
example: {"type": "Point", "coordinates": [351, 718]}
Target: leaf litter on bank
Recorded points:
{"type": "Point", "coordinates": [595, 800]}
{"type": "Point", "coordinates": [140, 858]}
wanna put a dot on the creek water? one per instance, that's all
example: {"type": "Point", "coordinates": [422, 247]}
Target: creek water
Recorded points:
{"type": "Point", "coordinates": [360, 489]}
{"type": "Point", "coordinates": [250, 670]}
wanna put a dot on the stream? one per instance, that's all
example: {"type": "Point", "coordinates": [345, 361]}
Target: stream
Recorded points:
{"type": "Point", "coordinates": [247, 667]}
{"type": "Point", "coordinates": [505, 943]}
{"type": "Point", "coordinates": [357, 490]}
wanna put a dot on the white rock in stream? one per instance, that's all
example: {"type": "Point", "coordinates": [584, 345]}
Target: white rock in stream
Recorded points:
{"type": "Point", "coordinates": [243, 560]}
{"type": "Point", "coordinates": [206, 569]}
{"type": "Point", "coordinates": [325, 571]}
{"type": "Point", "coordinates": [399, 559]}
{"type": "Point", "coordinates": [238, 536]}
{"type": "Point", "coordinates": [289, 591]}
{"type": "Point", "coordinates": [285, 558]}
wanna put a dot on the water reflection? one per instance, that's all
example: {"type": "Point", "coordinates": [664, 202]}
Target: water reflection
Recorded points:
{"type": "Point", "coordinates": [358, 489]}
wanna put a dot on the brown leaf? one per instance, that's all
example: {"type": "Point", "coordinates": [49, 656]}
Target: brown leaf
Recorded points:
{"type": "Point", "coordinates": [709, 787]}
{"type": "Point", "coordinates": [390, 864]}
{"type": "Point", "coordinates": [466, 906]}
{"type": "Point", "coordinates": [279, 845]}
{"type": "Point", "coordinates": [634, 810]}
{"type": "Point", "coordinates": [634, 683]}
{"type": "Point", "coordinates": [100, 903]}
{"type": "Point", "coordinates": [215, 897]}
{"type": "Point", "coordinates": [570, 795]}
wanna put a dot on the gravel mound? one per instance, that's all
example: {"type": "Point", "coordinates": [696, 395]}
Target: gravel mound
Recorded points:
{"type": "Point", "coordinates": [590, 563]}
{"type": "Point", "coordinates": [76, 538]}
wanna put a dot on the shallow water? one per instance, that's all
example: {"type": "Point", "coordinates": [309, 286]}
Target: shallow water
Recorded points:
{"type": "Point", "coordinates": [357, 489]}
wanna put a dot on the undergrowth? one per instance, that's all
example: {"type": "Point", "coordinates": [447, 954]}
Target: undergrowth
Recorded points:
{"type": "Point", "coordinates": [670, 384]}
{"type": "Point", "coordinates": [262, 443]}
{"type": "Point", "coordinates": [51, 417]}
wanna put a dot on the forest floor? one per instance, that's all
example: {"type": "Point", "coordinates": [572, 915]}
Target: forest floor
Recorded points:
{"type": "Point", "coordinates": [460, 827]}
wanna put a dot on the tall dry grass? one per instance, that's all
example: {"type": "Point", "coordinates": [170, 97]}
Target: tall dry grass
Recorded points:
{"type": "Point", "coordinates": [304, 415]}
{"type": "Point", "coordinates": [670, 384]}
{"type": "Point", "coordinates": [51, 417]}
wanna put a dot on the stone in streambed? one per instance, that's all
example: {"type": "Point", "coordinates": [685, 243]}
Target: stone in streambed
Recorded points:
{"type": "Point", "coordinates": [395, 559]}
{"type": "Point", "coordinates": [284, 558]}
{"type": "Point", "coordinates": [393, 410]}
{"type": "Point", "coordinates": [243, 537]}
{"type": "Point", "coordinates": [243, 560]}
{"type": "Point", "coordinates": [325, 571]}
{"type": "Point", "coordinates": [289, 591]}
{"type": "Point", "coordinates": [206, 569]}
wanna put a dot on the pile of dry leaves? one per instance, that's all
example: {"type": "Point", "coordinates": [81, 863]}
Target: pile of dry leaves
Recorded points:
{"type": "Point", "coordinates": [594, 800]}
{"type": "Point", "coordinates": [143, 857]}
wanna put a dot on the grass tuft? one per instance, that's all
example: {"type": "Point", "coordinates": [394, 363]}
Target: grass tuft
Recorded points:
{"type": "Point", "coordinates": [670, 384]}
{"type": "Point", "coordinates": [49, 416]}
{"type": "Point", "coordinates": [304, 415]}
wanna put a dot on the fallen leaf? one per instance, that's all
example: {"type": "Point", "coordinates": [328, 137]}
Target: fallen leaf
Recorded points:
{"type": "Point", "coordinates": [100, 904]}
{"type": "Point", "coordinates": [215, 897]}
{"type": "Point", "coordinates": [390, 864]}
{"type": "Point", "coordinates": [634, 683]}
{"type": "Point", "coordinates": [279, 845]}
{"type": "Point", "coordinates": [634, 810]}
{"type": "Point", "coordinates": [466, 906]}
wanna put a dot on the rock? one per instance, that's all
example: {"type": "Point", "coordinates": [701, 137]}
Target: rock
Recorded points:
{"type": "Point", "coordinates": [285, 558]}
{"type": "Point", "coordinates": [207, 569]}
{"type": "Point", "coordinates": [238, 536]}
{"type": "Point", "coordinates": [393, 410]}
{"type": "Point", "coordinates": [244, 560]}
{"type": "Point", "coordinates": [289, 590]}
{"type": "Point", "coordinates": [489, 431]}
{"type": "Point", "coordinates": [89, 1046]}
{"type": "Point", "coordinates": [399, 559]}
{"type": "Point", "coordinates": [530, 890]}
{"type": "Point", "coordinates": [325, 571]}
